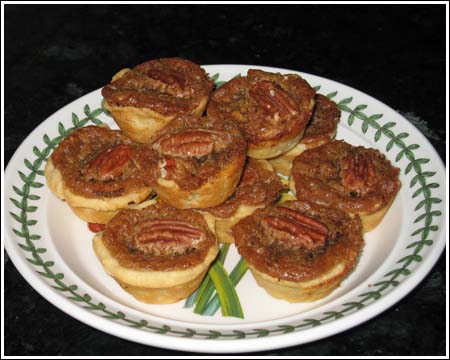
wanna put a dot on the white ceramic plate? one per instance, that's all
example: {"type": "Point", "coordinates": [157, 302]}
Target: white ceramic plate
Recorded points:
{"type": "Point", "coordinates": [52, 248]}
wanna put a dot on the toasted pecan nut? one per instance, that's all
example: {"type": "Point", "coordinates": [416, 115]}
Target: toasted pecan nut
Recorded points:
{"type": "Point", "coordinates": [358, 173]}
{"type": "Point", "coordinates": [291, 233]}
{"type": "Point", "coordinates": [188, 143]}
{"type": "Point", "coordinates": [167, 237]}
{"type": "Point", "coordinates": [273, 99]}
{"type": "Point", "coordinates": [168, 81]}
{"type": "Point", "coordinates": [109, 164]}
{"type": "Point", "coordinates": [304, 220]}
{"type": "Point", "coordinates": [294, 230]}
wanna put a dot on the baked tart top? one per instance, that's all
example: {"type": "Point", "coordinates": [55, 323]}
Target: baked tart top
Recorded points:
{"type": "Point", "coordinates": [259, 185]}
{"type": "Point", "coordinates": [266, 106]}
{"type": "Point", "coordinates": [169, 86]}
{"type": "Point", "coordinates": [192, 150]}
{"type": "Point", "coordinates": [351, 178]}
{"type": "Point", "coordinates": [159, 238]}
{"type": "Point", "coordinates": [324, 120]}
{"type": "Point", "coordinates": [95, 161]}
{"type": "Point", "coordinates": [299, 240]}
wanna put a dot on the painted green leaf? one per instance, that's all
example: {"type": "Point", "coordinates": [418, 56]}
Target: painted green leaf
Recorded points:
{"type": "Point", "coordinates": [262, 332]}
{"type": "Point", "coordinates": [285, 329]}
{"type": "Point", "coordinates": [331, 94]}
{"type": "Point", "coordinates": [87, 110]}
{"type": "Point", "coordinates": [346, 101]}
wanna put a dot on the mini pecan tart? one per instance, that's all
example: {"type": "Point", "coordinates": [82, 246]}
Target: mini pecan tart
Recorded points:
{"type": "Point", "coordinates": [144, 99]}
{"type": "Point", "coordinates": [198, 162]}
{"type": "Point", "coordinates": [158, 254]}
{"type": "Point", "coordinates": [355, 179]}
{"type": "Point", "coordinates": [259, 186]}
{"type": "Point", "coordinates": [320, 130]}
{"type": "Point", "coordinates": [299, 251]}
{"type": "Point", "coordinates": [271, 109]}
{"type": "Point", "coordinates": [99, 171]}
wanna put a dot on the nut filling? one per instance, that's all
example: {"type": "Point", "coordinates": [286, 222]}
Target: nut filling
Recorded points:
{"type": "Point", "coordinates": [266, 106]}
{"type": "Point", "coordinates": [192, 150]}
{"type": "Point", "coordinates": [299, 240]}
{"type": "Point", "coordinates": [169, 86]}
{"type": "Point", "coordinates": [351, 178]}
{"type": "Point", "coordinates": [158, 237]}
{"type": "Point", "coordinates": [293, 230]}
{"type": "Point", "coordinates": [96, 161]}
{"type": "Point", "coordinates": [167, 237]}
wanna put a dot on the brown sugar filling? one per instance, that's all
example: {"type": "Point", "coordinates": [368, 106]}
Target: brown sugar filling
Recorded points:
{"type": "Point", "coordinates": [352, 178]}
{"type": "Point", "coordinates": [96, 161]}
{"type": "Point", "coordinates": [169, 86]}
{"type": "Point", "coordinates": [266, 106]}
{"type": "Point", "coordinates": [324, 120]}
{"type": "Point", "coordinates": [191, 150]}
{"type": "Point", "coordinates": [293, 258]}
{"type": "Point", "coordinates": [158, 238]}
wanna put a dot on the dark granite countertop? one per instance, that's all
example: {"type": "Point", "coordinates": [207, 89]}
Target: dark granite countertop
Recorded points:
{"type": "Point", "coordinates": [55, 54]}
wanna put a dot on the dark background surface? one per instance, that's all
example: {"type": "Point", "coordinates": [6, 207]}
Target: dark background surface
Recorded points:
{"type": "Point", "coordinates": [55, 54]}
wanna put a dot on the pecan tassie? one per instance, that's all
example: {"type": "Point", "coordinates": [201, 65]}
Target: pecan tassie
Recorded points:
{"type": "Point", "coordinates": [271, 109]}
{"type": "Point", "coordinates": [259, 186]}
{"type": "Point", "coordinates": [320, 130]}
{"type": "Point", "coordinates": [324, 120]}
{"type": "Point", "coordinates": [157, 253]}
{"type": "Point", "coordinates": [351, 178]}
{"type": "Point", "coordinates": [99, 171]}
{"type": "Point", "coordinates": [95, 161]}
{"type": "Point", "coordinates": [144, 99]}
{"type": "Point", "coordinates": [298, 250]}
{"type": "Point", "coordinates": [197, 162]}
{"type": "Point", "coordinates": [170, 86]}
{"type": "Point", "coordinates": [158, 237]}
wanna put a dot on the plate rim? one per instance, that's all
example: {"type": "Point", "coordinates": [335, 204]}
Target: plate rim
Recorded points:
{"type": "Point", "coordinates": [189, 344]}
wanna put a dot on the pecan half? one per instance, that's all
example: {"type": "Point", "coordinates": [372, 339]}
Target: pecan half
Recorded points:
{"type": "Point", "coordinates": [273, 99]}
{"type": "Point", "coordinates": [357, 173]}
{"type": "Point", "coordinates": [110, 164]}
{"type": "Point", "coordinates": [163, 237]}
{"type": "Point", "coordinates": [189, 143]}
{"type": "Point", "coordinates": [294, 230]}
{"type": "Point", "coordinates": [174, 80]}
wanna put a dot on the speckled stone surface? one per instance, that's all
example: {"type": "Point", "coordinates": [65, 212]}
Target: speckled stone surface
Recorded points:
{"type": "Point", "coordinates": [55, 54]}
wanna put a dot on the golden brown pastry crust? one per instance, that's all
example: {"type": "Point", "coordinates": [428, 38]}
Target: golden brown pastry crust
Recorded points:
{"type": "Point", "coordinates": [355, 179]}
{"type": "Point", "coordinates": [320, 130]}
{"type": "Point", "coordinates": [198, 162]}
{"type": "Point", "coordinates": [259, 186]}
{"type": "Point", "coordinates": [158, 254]}
{"type": "Point", "coordinates": [99, 171]}
{"type": "Point", "coordinates": [144, 99]}
{"type": "Point", "coordinates": [271, 109]}
{"type": "Point", "coordinates": [299, 251]}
